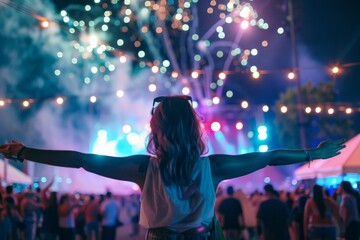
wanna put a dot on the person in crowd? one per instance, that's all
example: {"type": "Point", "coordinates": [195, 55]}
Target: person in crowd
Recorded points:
{"type": "Point", "coordinates": [28, 209]}
{"type": "Point", "coordinates": [109, 211]}
{"type": "Point", "coordinates": [9, 192]}
{"type": "Point", "coordinates": [66, 212]}
{"type": "Point", "coordinates": [134, 213]}
{"type": "Point", "coordinates": [319, 216]}
{"type": "Point", "coordinates": [256, 198]}
{"type": "Point", "coordinates": [249, 213]}
{"type": "Point", "coordinates": [289, 201]}
{"type": "Point", "coordinates": [231, 215]}
{"type": "Point", "coordinates": [273, 216]}
{"type": "Point", "coordinates": [91, 211]}
{"type": "Point", "coordinates": [79, 213]}
{"type": "Point", "coordinates": [5, 225]}
{"type": "Point", "coordinates": [50, 224]}
{"type": "Point", "coordinates": [349, 211]}
{"type": "Point", "coordinates": [297, 219]}
{"type": "Point", "coordinates": [13, 214]}
{"type": "Point", "coordinates": [177, 179]}
{"type": "Point", "coordinates": [50, 227]}
{"type": "Point", "coordinates": [219, 197]}
{"type": "Point", "coordinates": [39, 213]}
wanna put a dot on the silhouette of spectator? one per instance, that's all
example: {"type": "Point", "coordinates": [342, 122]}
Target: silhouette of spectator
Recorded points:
{"type": "Point", "coordinates": [134, 212]}
{"type": "Point", "coordinates": [319, 216]}
{"type": "Point", "coordinates": [109, 211]}
{"type": "Point", "coordinates": [50, 227]}
{"type": "Point", "coordinates": [5, 225]}
{"type": "Point", "coordinates": [92, 210]}
{"type": "Point", "coordinates": [66, 217]}
{"type": "Point", "coordinates": [231, 215]}
{"type": "Point", "coordinates": [50, 224]}
{"type": "Point", "coordinates": [297, 219]}
{"type": "Point", "coordinates": [349, 211]}
{"type": "Point", "coordinates": [273, 216]}
{"type": "Point", "coordinates": [9, 192]}
{"type": "Point", "coordinates": [289, 201]}
{"type": "Point", "coordinates": [13, 214]}
{"type": "Point", "coordinates": [249, 213]}
{"type": "Point", "coordinates": [28, 210]}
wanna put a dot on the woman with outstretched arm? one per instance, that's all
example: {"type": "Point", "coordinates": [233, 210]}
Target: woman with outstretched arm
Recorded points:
{"type": "Point", "coordinates": [177, 179]}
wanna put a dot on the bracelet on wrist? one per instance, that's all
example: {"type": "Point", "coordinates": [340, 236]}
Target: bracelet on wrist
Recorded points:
{"type": "Point", "coordinates": [308, 157]}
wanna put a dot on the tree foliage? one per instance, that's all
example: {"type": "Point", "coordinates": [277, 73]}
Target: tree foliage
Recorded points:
{"type": "Point", "coordinates": [318, 126]}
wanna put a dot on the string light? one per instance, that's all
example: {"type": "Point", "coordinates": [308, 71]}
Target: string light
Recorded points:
{"type": "Point", "coordinates": [265, 108]}
{"type": "Point", "coordinates": [331, 111]}
{"type": "Point", "coordinates": [244, 104]}
{"type": "Point", "coordinates": [216, 100]}
{"type": "Point", "coordinates": [174, 74]}
{"type": "Point", "coordinates": [348, 110]}
{"type": "Point", "coordinates": [26, 104]}
{"type": "Point", "coordinates": [93, 99]}
{"type": "Point", "coordinates": [283, 109]}
{"type": "Point", "coordinates": [335, 70]}
{"type": "Point", "coordinates": [239, 125]}
{"type": "Point", "coordinates": [45, 24]}
{"type": "Point", "coordinates": [255, 75]}
{"type": "Point", "coordinates": [59, 100]}
{"type": "Point", "coordinates": [291, 75]}
{"type": "Point", "coordinates": [152, 87]}
{"type": "Point", "coordinates": [185, 91]}
{"type": "Point", "coordinates": [222, 75]}
{"type": "Point", "coordinates": [337, 108]}
{"type": "Point", "coordinates": [155, 69]}
{"type": "Point", "coordinates": [194, 74]}
{"type": "Point", "coordinates": [119, 93]}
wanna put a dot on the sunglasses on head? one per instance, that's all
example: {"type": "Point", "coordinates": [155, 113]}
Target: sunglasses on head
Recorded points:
{"type": "Point", "coordinates": [158, 100]}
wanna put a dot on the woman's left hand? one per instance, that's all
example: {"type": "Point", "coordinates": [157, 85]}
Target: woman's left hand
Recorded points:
{"type": "Point", "coordinates": [11, 150]}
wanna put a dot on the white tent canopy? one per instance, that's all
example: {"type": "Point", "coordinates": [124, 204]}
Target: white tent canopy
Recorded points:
{"type": "Point", "coordinates": [13, 175]}
{"type": "Point", "coordinates": [345, 163]}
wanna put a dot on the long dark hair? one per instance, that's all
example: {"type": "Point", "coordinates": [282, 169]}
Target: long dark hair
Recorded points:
{"type": "Point", "coordinates": [176, 140]}
{"type": "Point", "coordinates": [319, 199]}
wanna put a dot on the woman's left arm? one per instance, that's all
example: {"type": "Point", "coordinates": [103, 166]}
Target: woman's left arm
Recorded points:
{"type": "Point", "coordinates": [230, 166]}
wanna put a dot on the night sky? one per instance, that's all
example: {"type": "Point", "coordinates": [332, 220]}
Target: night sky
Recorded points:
{"type": "Point", "coordinates": [327, 35]}
{"type": "Point", "coordinates": [328, 31]}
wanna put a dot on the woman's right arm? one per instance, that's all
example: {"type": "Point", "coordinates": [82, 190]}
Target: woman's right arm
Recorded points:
{"type": "Point", "coordinates": [131, 168]}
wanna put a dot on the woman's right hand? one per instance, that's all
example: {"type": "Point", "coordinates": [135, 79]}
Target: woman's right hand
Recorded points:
{"type": "Point", "coordinates": [11, 150]}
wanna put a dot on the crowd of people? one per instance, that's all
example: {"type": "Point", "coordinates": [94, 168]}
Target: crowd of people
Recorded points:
{"type": "Point", "coordinates": [266, 215]}
{"type": "Point", "coordinates": [41, 214]}
{"type": "Point", "coordinates": [299, 215]}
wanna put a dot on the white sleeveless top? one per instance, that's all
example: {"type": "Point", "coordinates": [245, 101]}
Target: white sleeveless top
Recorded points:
{"type": "Point", "coordinates": [178, 208]}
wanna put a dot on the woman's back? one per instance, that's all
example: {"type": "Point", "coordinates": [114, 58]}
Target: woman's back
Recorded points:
{"type": "Point", "coordinates": [178, 208]}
